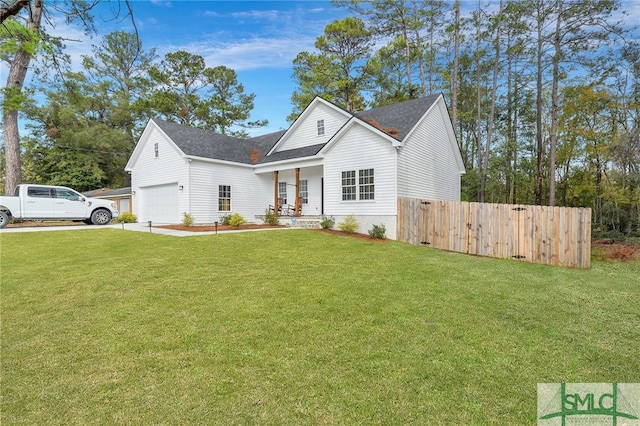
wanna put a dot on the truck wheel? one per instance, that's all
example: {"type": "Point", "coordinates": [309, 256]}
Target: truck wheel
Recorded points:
{"type": "Point", "coordinates": [4, 219]}
{"type": "Point", "coordinates": [100, 217]}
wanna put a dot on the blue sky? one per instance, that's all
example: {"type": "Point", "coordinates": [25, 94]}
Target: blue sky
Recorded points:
{"type": "Point", "coordinates": [258, 39]}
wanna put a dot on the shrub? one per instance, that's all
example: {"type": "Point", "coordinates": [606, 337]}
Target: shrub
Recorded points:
{"type": "Point", "coordinates": [187, 219]}
{"type": "Point", "coordinates": [236, 219]}
{"type": "Point", "coordinates": [271, 218]}
{"type": "Point", "coordinates": [127, 217]}
{"type": "Point", "coordinates": [224, 219]}
{"type": "Point", "coordinates": [327, 222]}
{"type": "Point", "coordinates": [349, 224]}
{"type": "Point", "coordinates": [378, 232]}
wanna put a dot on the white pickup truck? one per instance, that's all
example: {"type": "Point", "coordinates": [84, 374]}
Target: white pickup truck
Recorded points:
{"type": "Point", "coordinates": [45, 202]}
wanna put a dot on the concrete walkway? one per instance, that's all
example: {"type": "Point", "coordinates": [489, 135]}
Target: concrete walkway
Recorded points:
{"type": "Point", "coordinates": [138, 227]}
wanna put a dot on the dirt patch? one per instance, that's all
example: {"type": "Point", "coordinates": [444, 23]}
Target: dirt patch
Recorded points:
{"type": "Point", "coordinates": [615, 250]}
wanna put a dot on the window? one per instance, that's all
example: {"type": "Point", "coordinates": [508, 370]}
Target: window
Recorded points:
{"type": "Point", "coordinates": [224, 198]}
{"type": "Point", "coordinates": [349, 185]}
{"type": "Point", "coordinates": [38, 192]}
{"type": "Point", "coordinates": [304, 191]}
{"type": "Point", "coordinates": [156, 149]}
{"type": "Point", "coordinates": [365, 181]}
{"type": "Point", "coordinates": [67, 194]}
{"type": "Point", "coordinates": [364, 190]}
{"type": "Point", "coordinates": [282, 191]}
{"type": "Point", "coordinates": [320, 127]}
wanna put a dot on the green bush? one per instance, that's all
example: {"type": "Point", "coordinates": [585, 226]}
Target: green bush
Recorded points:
{"type": "Point", "coordinates": [378, 232]}
{"type": "Point", "coordinates": [187, 219]}
{"type": "Point", "coordinates": [224, 219]}
{"type": "Point", "coordinates": [349, 224]}
{"type": "Point", "coordinates": [236, 219]}
{"type": "Point", "coordinates": [327, 222]}
{"type": "Point", "coordinates": [271, 218]}
{"type": "Point", "coordinates": [127, 217]}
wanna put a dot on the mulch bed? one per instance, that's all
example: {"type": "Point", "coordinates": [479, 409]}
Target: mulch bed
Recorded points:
{"type": "Point", "coordinates": [209, 228]}
{"type": "Point", "coordinates": [221, 228]}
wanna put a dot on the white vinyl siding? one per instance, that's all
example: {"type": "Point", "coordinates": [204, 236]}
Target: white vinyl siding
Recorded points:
{"type": "Point", "coordinates": [168, 168]}
{"type": "Point", "coordinates": [427, 166]}
{"type": "Point", "coordinates": [305, 133]}
{"type": "Point", "coordinates": [360, 149]}
{"type": "Point", "coordinates": [251, 194]}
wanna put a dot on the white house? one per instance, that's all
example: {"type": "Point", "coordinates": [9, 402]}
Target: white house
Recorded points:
{"type": "Point", "coordinates": [329, 162]}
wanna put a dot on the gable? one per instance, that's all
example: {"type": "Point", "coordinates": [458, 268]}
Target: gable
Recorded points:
{"type": "Point", "coordinates": [145, 148]}
{"type": "Point", "coordinates": [304, 131]}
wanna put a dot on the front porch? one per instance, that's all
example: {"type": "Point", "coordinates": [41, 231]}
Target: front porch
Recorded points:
{"type": "Point", "coordinates": [295, 191]}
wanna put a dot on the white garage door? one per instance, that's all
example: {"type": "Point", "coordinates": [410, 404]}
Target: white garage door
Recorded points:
{"type": "Point", "coordinates": [160, 203]}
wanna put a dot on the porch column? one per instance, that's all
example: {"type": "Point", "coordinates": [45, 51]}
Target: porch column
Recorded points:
{"type": "Point", "coordinates": [275, 192]}
{"type": "Point", "coordinates": [298, 204]}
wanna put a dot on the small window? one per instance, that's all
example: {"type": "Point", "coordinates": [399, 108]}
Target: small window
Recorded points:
{"type": "Point", "coordinates": [349, 185]}
{"type": "Point", "coordinates": [156, 149]}
{"type": "Point", "coordinates": [224, 198]}
{"type": "Point", "coordinates": [304, 191]}
{"type": "Point", "coordinates": [320, 127]}
{"type": "Point", "coordinates": [38, 192]}
{"type": "Point", "coordinates": [365, 181]}
{"type": "Point", "coordinates": [282, 191]}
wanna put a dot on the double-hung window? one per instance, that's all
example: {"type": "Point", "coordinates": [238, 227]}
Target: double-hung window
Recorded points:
{"type": "Point", "coordinates": [320, 124]}
{"type": "Point", "coordinates": [156, 150]}
{"type": "Point", "coordinates": [224, 198]}
{"type": "Point", "coordinates": [282, 191]}
{"type": "Point", "coordinates": [349, 185]}
{"type": "Point", "coordinates": [363, 189]}
{"type": "Point", "coordinates": [365, 184]}
{"type": "Point", "coordinates": [304, 191]}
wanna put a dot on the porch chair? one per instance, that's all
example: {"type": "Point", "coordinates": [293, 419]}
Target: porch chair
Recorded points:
{"type": "Point", "coordinates": [278, 209]}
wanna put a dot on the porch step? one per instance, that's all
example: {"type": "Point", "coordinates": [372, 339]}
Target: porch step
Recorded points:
{"type": "Point", "coordinates": [308, 222]}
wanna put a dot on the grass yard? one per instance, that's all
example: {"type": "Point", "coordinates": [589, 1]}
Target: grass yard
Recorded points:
{"type": "Point", "coordinates": [297, 327]}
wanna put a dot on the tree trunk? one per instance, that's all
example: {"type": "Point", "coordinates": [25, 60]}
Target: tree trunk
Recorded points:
{"type": "Point", "coordinates": [539, 144]}
{"type": "Point", "coordinates": [456, 54]}
{"type": "Point", "coordinates": [15, 82]}
{"type": "Point", "coordinates": [554, 107]}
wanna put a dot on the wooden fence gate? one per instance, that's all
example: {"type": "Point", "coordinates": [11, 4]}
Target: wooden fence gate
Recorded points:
{"type": "Point", "coordinates": [540, 234]}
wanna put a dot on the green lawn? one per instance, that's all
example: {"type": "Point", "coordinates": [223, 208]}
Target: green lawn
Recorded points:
{"type": "Point", "coordinates": [297, 327]}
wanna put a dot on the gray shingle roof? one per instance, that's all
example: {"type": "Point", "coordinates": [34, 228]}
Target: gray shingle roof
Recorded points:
{"type": "Point", "coordinates": [402, 116]}
{"type": "Point", "coordinates": [206, 144]}
{"type": "Point", "coordinates": [397, 120]}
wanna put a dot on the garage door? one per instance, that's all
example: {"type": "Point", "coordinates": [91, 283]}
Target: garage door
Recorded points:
{"type": "Point", "coordinates": [160, 203]}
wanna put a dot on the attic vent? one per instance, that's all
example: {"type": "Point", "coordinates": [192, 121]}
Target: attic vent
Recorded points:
{"type": "Point", "coordinates": [391, 131]}
{"type": "Point", "coordinates": [254, 155]}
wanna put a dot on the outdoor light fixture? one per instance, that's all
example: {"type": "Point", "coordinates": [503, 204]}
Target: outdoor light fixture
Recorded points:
{"type": "Point", "coordinates": [216, 224]}
{"type": "Point", "coordinates": [181, 187]}
{"type": "Point", "coordinates": [149, 226]}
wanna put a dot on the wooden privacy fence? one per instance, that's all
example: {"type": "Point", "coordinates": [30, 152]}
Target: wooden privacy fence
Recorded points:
{"type": "Point", "coordinates": [540, 234]}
